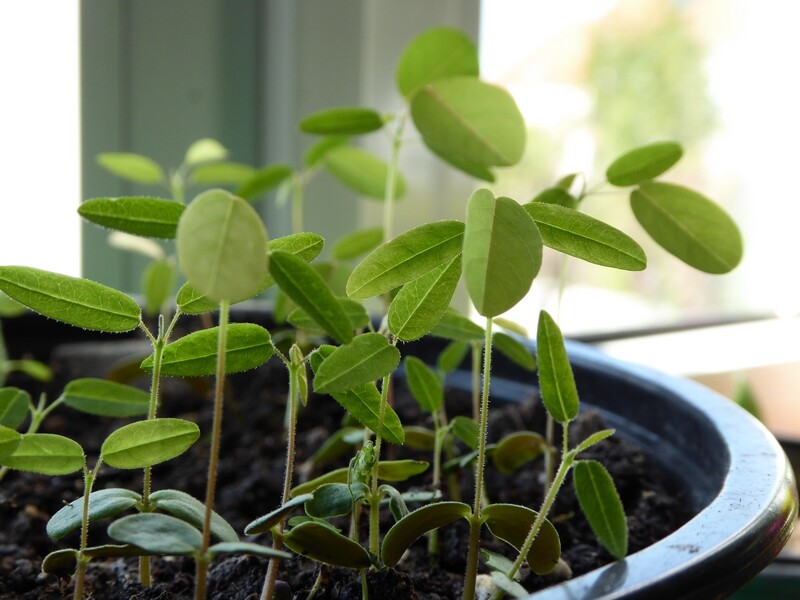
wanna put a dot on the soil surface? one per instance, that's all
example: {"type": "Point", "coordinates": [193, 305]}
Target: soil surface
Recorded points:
{"type": "Point", "coordinates": [250, 483]}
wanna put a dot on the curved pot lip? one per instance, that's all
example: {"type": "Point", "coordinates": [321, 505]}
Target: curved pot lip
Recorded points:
{"type": "Point", "coordinates": [727, 542]}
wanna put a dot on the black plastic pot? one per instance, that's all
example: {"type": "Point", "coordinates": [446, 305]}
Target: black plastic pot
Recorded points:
{"type": "Point", "coordinates": [740, 482]}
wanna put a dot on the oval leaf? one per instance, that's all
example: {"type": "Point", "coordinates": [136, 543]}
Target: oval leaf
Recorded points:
{"type": "Point", "coordinates": [223, 173]}
{"type": "Point", "coordinates": [643, 163]}
{"type": "Point", "coordinates": [246, 548]}
{"type": "Point", "coordinates": [502, 252]}
{"type": "Point", "coordinates": [511, 523]}
{"type": "Point", "coordinates": [158, 283]}
{"type": "Point", "coordinates": [47, 454]}
{"type": "Point", "coordinates": [195, 355]}
{"type": "Point", "coordinates": [14, 404]}
{"type": "Point", "coordinates": [133, 167]}
{"type": "Point", "coordinates": [416, 524]}
{"type": "Point", "coordinates": [205, 150]}
{"type": "Point", "coordinates": [425, 385]}
{"type": "Point", "coordinates": [187, 508]}
{"type": "Point", "coordinates": [157, 534]}
{"type": "Point", "coordinates": [602, 506]}
{"type": "Point", "coordinates": [466, 430]}
{"type": "Point", "coordinates": [71, 300]}
{"type": "Point", "coordinates": [103, 504]}
{"type": "Point", "coordinates": [63, 562]}
{"type": "Point", "coordinates": [325, 544]}
{"type": "Point", "coordinates": [106, 398]}
{"type": "Point", "coordinates": [408, 256]}
{"type": "Point", "coordinates": [342, 121]}
{"type": "Point", "coordinates": [147, 443]}
{"type": "Point", "coordinates": [516, 449]}
{"type": "Point", "coordinates": [334, 499]}
{"type": "Point", "coordinates": [464, 120]}
{"type": "Point", "coordinates": [309, 291]}
{"type": "Point", "coordinates": [688, 225]}
{"type": "Point", "coordinates": [9, 441]}
{"type": "Point", "coordinates": [368, 357]}
{"type": "Point", "coordinates": [222, 246]}
{"type": "Point", "coordinates": [362, 171]}
{"type": "Point", "coordinates": [357, 243]}
{"type": "Point", "coordinates": [263, 180]}
{"type": "Point", "coordinates": [435, 54]}
{"type": "Point", "coordinates": [149, 217]}
{"type": "Point", "coordinates": [268, 521]}
{"type": "Point", "coordinates": [556, 381]}
{"type": "Point", "coordinates": [579, 235]}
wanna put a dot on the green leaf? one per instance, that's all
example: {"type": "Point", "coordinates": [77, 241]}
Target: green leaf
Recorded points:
{"type": "Point", "coordinates": [419, 305]}
{"type": "Point", "coordinates": [408, 256]}
{"type": "Point", "coordinates": [516, 449]}
{"type": "Point", "coordinates": [424, 384]}
{"type": "Point", "coordinates": [452, 356]}
{"type": "Point", "coordinates": [106, 398]}
{"type": "Point", "coordinates": [71, 300]}
{"type": "Point", "coordinates": [324, 544]}
{"type": "Point", "coordinates": [579, 235]}
{"type": "Point", "coordinates": [362, 171]}
{"type": "Point", "coordinates": [222, 173]}
{"type": "Point", "coordinates": [320, 149]}
{"type": "Point", "coordinates": [419, 438]}
{"type": "Point", "coordinates": [342, 121]}
{"type": "Point", "coordinates": [455, 326]}
{"type": "Point", "coordinates": [9, 308]}
{"type": "Point", "coordinates": [513, 349]}
{"type": "Point", "coordinates": [355, 311]}
{"type": "Point", "coordinates": [187, 508]}
{"type": "Point", "coordinates": [9, 441]}
{"type": "Point", "coordinates": [145, 216]}
{"type": "Point", "coordinates": [222, 246]}
{"type": "Point", "coordinates": [502, 252]}
{"type": "Point", "coordinates": [262, 181]}
{"type": "Point", "coordinates": [103, 504]}
{"type": "Point", "coordinates": [643, 163]}
{"type": "Point", "coordinates": [157, 534]}
{"type": "Point", "coordinates": [514, 589]}
{"type": "Point", "coordinates": [32, 368]}
{"type": "Point", "coordinates": [556, 195]}
{"type": "Point", "coordinates": [147, 443]}
{"type": "Point", "coordinates": [357, 243]}
{"type": "Point", "coordinates": [14, 404]}
{"type": "Point", "coordinates": [556, 382]}
{"type": "Point", "coordinates": [388, 470]}
{"type": "Point", "coordinates": [602, 506]}
{"type": "Point", "coordinates": [205, 150]}
{"type": "Point", "coordinates": [195, 355]}
{"type": "Point", "coordinates": [133, 167]}
{"type": "Point", "coordinates": [593, 439]}
{"type": "Point", "coordinates": [46, 453]}
{"type": "Point", "coordinates": [397, 503]}
{"type": "Point", "coordinates": [416, 524]}
{"type": "Point", "coordinates": [436, 54]}
{"type": "Point", "coordinates": [158, 283]}
{"type": "Point", "coordinates": [464, 120]}
{"type": "Point", "coordinates": [368, 357]}
{"type": "Point", "coordinates": [309, 291]}
{"type": "Point", "coordinates": [246, 548]}
{"type": "Point", "coordinates": [267, 522]}
{"type": "Point", "coordinates": [335, 499]}
{"type": "Point", "coordinates": [688, 225]}
{"type": "Point", "coordinates": [511, 523]}
{"type": "Point", "coordinates": [63, 562]}
{"type": "Point", "coordinates": [466, 430]}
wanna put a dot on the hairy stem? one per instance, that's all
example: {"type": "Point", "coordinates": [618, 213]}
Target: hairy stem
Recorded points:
{"type": "Point", "coordinates": [80, 573]}
{"type": "Point", "coordinates": [374, 506]}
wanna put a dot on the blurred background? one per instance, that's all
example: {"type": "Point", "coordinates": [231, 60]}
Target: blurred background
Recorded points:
{"type": "Point", "coordinates": [593, 78]}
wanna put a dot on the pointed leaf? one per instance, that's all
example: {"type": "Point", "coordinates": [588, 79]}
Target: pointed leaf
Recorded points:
{"type": "Point", "coordinates": [342, 121]}
{"type": "Point", "coordinates": [195, 355]}
{"type": "Point", "coordinates": [579, 235]}
{"type": "Point", "coordinates": [556, 382]}
{"type": "Point", "coordinates": [47, 454]}
{"type": "Point", "coordinates": [643, 163]}
{"type": "Point", "coordinates": [602, 506]}
{"type": "Point", "coordinates": [688, 225]}
{"type": "Point", "coordinates": [363, 172]}
{"type": "Point", "coordinates": [452, 356]}
{"type": "Point", "coordinates": [510, 587]}
{"type": "Point", "coordinates": [335, 499]}
{"type": "Point", "coordinates": [263, 181]}
{"type": "Point", "coordinates": [246, 548]}
{"type": "Point", "coordinates": [149, 217]}
{"type": "Point", "coordinates": [417, 523]}
{"type": "Point", "coordinates": [593, 439]}
{"type": "Point", "coordinates": [9, 441]}
{"type": "Point", "coordinates": [436, 54]}
{"type": "Point", "coordinates": [14, 404]}
{"type": "Point", "coordinates": [419, 304]}
{"type": "Point", "coordinates": [424, 384]}
{"type": "Point", "coordinates": [103, 504]}
{"type": "Point", "coordinates": [158, 284]}
{"type": "Point", "coordinates": [270, 520]}
{"type": "Point", "coordinates": [147, 443]}
{"type": "Point", "coordinates": [464, 120]}
{"type": "Point", "coordinates": [516, 449]}
{"type": "Point", "coordinates": [187, 508]}
{"type": "Point", "coordinates": [466, 430]}
{"type": "Point", "coordinates": [71, 300]}
{"type": "Point", "coordinates": [157, 533]}
{"type": "Point", "coordinates": [222, 246]}
{"type": "Point", "coordinates": [205, 150]}
{"type": "Point", "coordinates": [367, 358]}
{"type": "Point", "coordinates": [408, 256]}
{"type": "Point", "coordinates": [222, 173]}
{"type": "Point", "coordinates": [133, 167]}
{"type": "Point", "coordinates": [320, 149]}
{"type": "Point", "coordinates": [511, 523]}
{"type": "Point", "coordinates": [106, 398]}
{"type": "Point", "coordinates": [455, 326]}
{"type": "Point", "coordinates": [309, 291]}
{"type": "Point", "coordinates": [357, 243]}
{"type": "Point", "coordinates": [513, 349]}
{"type": "Point", "coordinates": [324, 544]}
{"type": "Point", "coordinates": [355, 311]}
{"type": "Point", "coordinates": [502, 252]}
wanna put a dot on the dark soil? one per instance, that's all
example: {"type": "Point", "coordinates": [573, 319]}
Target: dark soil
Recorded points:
{"type": "Point", "coordinates": [249, 485]}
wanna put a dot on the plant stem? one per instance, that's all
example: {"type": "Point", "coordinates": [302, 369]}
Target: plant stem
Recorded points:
{"type": "Point", "coordinates": [213, 459]}
{"type": "Point", "coordinates": [364, 587]}
{"type": "Point", "coordinates": [80, 573]}
{"type": "Point", "coordinates": [483, 430]}
{"type": "Point", "coordinates": [391, 178]}
{"type": "Point", "coordinates": [374, 505]}
{"type": "Point", "coordinates": [476, 381]}
{"type": "Point", "coordinates": [298, 194]}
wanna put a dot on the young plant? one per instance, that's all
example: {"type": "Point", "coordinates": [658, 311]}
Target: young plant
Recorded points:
{"type": "Point", "coordinates": [32, 368]}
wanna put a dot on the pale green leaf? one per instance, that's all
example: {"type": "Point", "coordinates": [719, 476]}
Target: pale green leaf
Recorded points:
{"type": "Point", "coordinates": [147, 443]}
{"type": "Point", "coordinates": [320, 149]}
{"type": "Point", "coordinates": [417, 523]}
{"type": "Point", "coordinates": [643, 163]}
{"type": "Point", "coordinates": [346, 120]}
{"type": "Point", "coordinates": [145, 216]}
{"type": "Point", "coordinates": [103, 504]}
{"type": "Point", "coordinates": [205, 150]}
{"type": "Point", "coordinates": [105, 398]}
{"type": "Point", "coordinates": [362, 171]}
{"type": "Point", "coordinates": [357, 243]}
{"type": "Point", "coordinates": [46, 453]}
{"type": "Point", "coordinates": [601, 505]}
{"type": "Point", "coordinates": [157, 534]}
{"type": "Point", "coordinates": [435, 54]}
{"type": "Point", "coordinates": [158, 283]}
{"type": "Point", "coordinates": [593, 439]}
{"type": "Point", "coordinates": [558, 196]}
{"type": "Point", "coordinates": [367, 358]}
{"type": "Point", "coordinates": [424, 384]}
{"type": "Point", "coordinates": [510, 587]}
{"type": "Point", "coordinates": [14, 404]}
{"type": "Point", "coordinates": [556, 381]}
{"type": "Point", "coordinates": [511, 523]}
{"type": "Point", "coordinates": [452, 356]}
{"type": "Point", "coordinates": [222, 173]}
{"type": "Point", "coordinates": [131, 166]}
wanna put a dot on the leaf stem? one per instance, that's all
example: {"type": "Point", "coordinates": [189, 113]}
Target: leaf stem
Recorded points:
{"type": "Point", "coordinates": [391, 178]}
{"type": "Point", "coordinates": [374, 506]}
{"type": "Point", "coordinates": [298, 195]}
{"type": "Point", "coordinates": [80, 573]}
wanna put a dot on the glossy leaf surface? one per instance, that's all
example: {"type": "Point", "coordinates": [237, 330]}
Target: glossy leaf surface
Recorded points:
{"type": "Point", "coordinates": [133, 167]}
{"type": "Point", "coordinates": [149, 217]}
{"type": "Point", "coordinates": [46, 453]}
{"type": "Point", "coordinates": [556, 381]}
{"type": "Point", "coordinates": [363, 172]}
{"type": "Point", "coordinates": [511, 523]}
{"type": "Point", "coordinates": [325, 544]}
{"type": "Point", "coordinates": [416, 524]}
{"type": "Point", "coordinates": [103, 504]}
{"type": "Point", "coordinates": [347, 120]}
{"type": "Point", "coordinates": [602, 506]}
{"type": "Point", "coordinates": [106, 398]}
{"type": "Point", "coordinates": [643, 163]}
{"type": "Point", "coordinates": [147, 443]}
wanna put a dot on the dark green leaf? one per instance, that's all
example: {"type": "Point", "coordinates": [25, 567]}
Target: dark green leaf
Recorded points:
{"type": "Point", "coordinates": [388, 470]}
{"type": "Point", "coordinates": [106, 398]}
{"type": "Point", "coordinates": [324, 544]}
{"type": "Point", "coordinates": [14, 404]}
{"type": "Point", "coordinates": [263, 181]}
{"type": "Point", "coordinates": [688, 225]}
{"type": "Point", "coordinates": [516, 449]}
{"type": "Point", "coordinates": [367, 358]}
{"type": "Point", "coordinates": [187, 508]}
{"type": "Point", "coordinates": [335, 499]}
{"type": "Point", "coordinates": [342, 121]}
{"type": "Point", "coordinates": [157, 533]}
{"type": "Point", "coordinates": [556, 382]}
{"type": "Point", "coordinates": [103, 504]}
{"type": "Point", "coordinates": [511, 523]}
{"type": "Point", "coordinates": [362, 171]}
{"type": "Point", "coordinates": [336, 445]}
{"type": "Point", "coordinates": [147, 443]}
{"type": "Point", "coordinates": [222, 173]}
{"type": "Point", "coordinates": [133, 167]}
{"type": "Point", "coordinates": [643, 163]}
{"type": "Point", "coordinates": [397, 504]}
{"type": "Point", "coordinates": [602, 506]}
{"type": "Point", "coordinates": [149, 217]}
{"type": "Point", "coordinates": [267, 522]}
{"type": "Point", "coordinates": [424, 384]}
{"type": "Point", "coordinates": [246, 548]}
{"type": "Point", "coordinates": [357, 243]}
{"type": "Point", "coordinates": [63, 562]}
{"type": "Point", "coordinates": [46, 453]}
{"type": "Point", "coordinates": [513, 349]}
